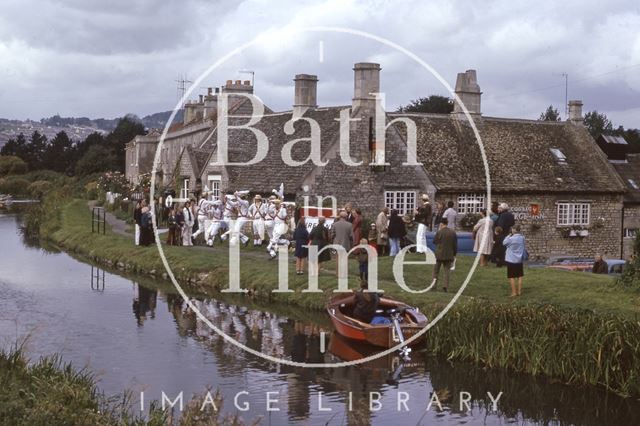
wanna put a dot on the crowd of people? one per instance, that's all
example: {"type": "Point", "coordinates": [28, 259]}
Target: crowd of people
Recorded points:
{"type": "Point", "coordinates": [277, 224]}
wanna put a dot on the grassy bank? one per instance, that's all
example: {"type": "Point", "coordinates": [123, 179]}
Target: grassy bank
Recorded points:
{"type": "Point", "coordinates": [48, 392]}
{"type": "Point", "coordinates": [576, 327]}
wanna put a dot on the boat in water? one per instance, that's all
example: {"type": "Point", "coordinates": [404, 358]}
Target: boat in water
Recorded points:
{"type": "Point", "coordinates": [404, 322]}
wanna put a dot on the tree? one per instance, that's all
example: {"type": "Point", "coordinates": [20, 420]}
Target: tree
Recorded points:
{"type": "Point", "coordinates": [59, 154]}
{"type": "Point", "coordinates": [16, 147]}
{"type": "Point", "coordinates": [551, 114]}
{"type": "Point", "coordinates": [128, 128]}
{"type": "Point", "coordinates": [98, 158]}
{"type": "Point", "coordinates": [598, 124]}
{"type": "Point", "coordinates": [35, 151]}
{"type": "Point", "coordinates": [434, 104]}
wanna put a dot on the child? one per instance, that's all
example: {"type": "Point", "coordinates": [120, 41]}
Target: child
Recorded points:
{"type": "Point", "coordinates": [363, 261]}
{"type": "Point", "coordinates": [373, 236]}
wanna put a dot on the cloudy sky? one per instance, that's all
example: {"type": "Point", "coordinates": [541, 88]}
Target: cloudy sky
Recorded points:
{"type": "Point", "coordinates": [104, 59]}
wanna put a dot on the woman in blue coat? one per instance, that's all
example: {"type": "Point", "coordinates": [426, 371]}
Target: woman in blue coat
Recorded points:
{"type": "Point", "coordinates": [301, 237]}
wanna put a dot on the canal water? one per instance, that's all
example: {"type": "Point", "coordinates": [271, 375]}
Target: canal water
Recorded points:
{"type": "Point", "coordinates": [138, 334]}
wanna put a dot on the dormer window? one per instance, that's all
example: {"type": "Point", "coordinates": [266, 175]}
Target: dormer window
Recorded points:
{"type": "Point", "coordinates": [633, 184]}
{"type": "Point", "coordinates": [559, 155]}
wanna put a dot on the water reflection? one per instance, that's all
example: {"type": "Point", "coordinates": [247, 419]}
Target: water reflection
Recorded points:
{"type": "Point", "coordinates": [97, 278]}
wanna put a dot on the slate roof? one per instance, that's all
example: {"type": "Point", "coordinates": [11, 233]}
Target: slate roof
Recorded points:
{"type": "Point", "coordinates": [271, 171]}
{"type": "Point", "coordinates": [198, 159]}
{"type": "Point", "coordinates": [630, 170]}
{"type": "Point", "coordinates": [518, 154]}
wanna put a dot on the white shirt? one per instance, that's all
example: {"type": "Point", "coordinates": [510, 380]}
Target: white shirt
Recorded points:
{"type": "Point", "coordinates": [451, 216]}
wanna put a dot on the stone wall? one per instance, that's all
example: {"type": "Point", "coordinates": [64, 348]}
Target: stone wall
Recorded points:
{"type": "Point", "coordinates": [546, 239]}
{"type": "Point", "coordinates": [632, 221]}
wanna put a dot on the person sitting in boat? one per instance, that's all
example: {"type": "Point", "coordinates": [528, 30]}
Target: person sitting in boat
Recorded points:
{"type": "Point", "coordinates": [366, 303]}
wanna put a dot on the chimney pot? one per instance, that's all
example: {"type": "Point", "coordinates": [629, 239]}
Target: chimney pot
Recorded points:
{"type": "Point", "coordinates": [238, 82]}
{"type": "Point", "coordinates": [209, 90]}
{"type": "Point", "coordinates": [305, 92]}
{"type": "Point", "coordinates": [366, 80]}
{"type": "Point", "coordinates": [247, 83]}
{"type": "Point", "coordinates": [201, 97]}
{"type": "Point", "coordinates": [229, 82]}
{"type": "Point", "coordinates": [217, 90]}
{"type": "Point", "coordinates": [575, 111]}
{"type": "Point", "coordinates": [468, 91]}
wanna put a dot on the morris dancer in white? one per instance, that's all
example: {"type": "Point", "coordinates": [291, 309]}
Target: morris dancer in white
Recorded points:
{"type": "Point", "coordinates": [257, 213]}
{"type": "Point", "coordinates": [279, 230]}
{"type": "Point", "coordinates": [228, 214]}
{"type": "Point", "coordinates": [188, 224]}
{"type": "Point", "coordinates": [242, 206]}
{"type": "Point", "coordinates": [269, 216]}
{"type": "Point", "coordinates": [214, 212]}
{"type": "Point", "coordinates": [201, 214]}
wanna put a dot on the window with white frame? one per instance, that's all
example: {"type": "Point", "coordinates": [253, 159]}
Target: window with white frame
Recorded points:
{"type": "Point", "coordinates": [559, 155]}
{"type": "Point", "coordinates": [471, 203]}
{"type": "Point", "coordinates": [213, 183]}
{"type": "Point", "coordinates": [630, 232]}
{"type": "Point", "coordinates": [184, 192]}
{"type": "Point", "coordinates": [403, 201]}
{"type": "Point", "coordinates": [570, 214]}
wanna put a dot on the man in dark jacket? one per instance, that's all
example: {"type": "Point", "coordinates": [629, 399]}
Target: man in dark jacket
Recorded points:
{"type": "Point", "coordinates": [446, 242]}
{"type": "Point", "coordinates": [504, 222]}
{"type": "Point", "coordinates": [342, 236]}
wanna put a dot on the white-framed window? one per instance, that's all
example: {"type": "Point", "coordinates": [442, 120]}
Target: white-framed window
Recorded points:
{"type": "Point", "coordinates": [213, 183]}
{"type": "Point", "coordinates": [630, 232]}
{"type": "Point", "coordinates": [570, 214]}
{"type": "Point", "coordinates": [403, 201]}
{"type": "Point", "coordinates": [471, 203]}
{"type": "Point", "coordinates": [184, 192]}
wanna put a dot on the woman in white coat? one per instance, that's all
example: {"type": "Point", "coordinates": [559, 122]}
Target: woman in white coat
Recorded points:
{"type": "Point", "coordinates": [483, 235]}
{"type": "Point", "coordinates": [189, 220]}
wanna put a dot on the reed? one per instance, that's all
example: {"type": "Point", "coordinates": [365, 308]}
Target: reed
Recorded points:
{"type": "Point", "coordinates": [575, 346]}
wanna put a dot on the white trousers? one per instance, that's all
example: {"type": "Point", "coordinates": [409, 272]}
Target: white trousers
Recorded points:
{"type": "Point", "coordinates": [201, 226]}
{"type": "Point", "coordinates": [237, 230]}
{"type": "Point", "coordinates": [279, 231]}
{"type": "Point", "coordinates": [186, 235]}
{"type": "Point", "coordinates": [258, 231]}
{"type": "Point", "coordinates": [268, 226]}
{"type": "Point", "coordinates": [136, 237]}
{"type": "Point", "coordinates": [421, 238]}
{"type": "Point", "coordinates": [212, 230]}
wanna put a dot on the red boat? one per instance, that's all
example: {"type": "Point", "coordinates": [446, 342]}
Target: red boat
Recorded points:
{"type": "Point", "coordinates": [410, 322]}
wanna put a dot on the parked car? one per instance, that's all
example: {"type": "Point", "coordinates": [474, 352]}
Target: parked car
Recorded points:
{"type": "Point", "coordinates": [614, 266]}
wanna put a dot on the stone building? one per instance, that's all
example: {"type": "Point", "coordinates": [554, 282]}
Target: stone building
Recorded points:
{"type": "Point", "coordinates": [628, 167]}
{"type": "Point", "coordinates": [558, 183]}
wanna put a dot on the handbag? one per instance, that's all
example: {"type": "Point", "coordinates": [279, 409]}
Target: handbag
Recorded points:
{"type": "Point", "coordinates": [525, 255]}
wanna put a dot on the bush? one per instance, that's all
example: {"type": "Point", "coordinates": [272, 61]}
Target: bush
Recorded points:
{"type": "Point", "coordinates": [46, 175]}
{"type": "Point", "coordinates": [12, 165]}
{"type": "Point", "coordinates": [14, 185]}
{"type": "Point", "coordinates": [469, 220]}
{"type": "Point", "coordinates": [39, 188]}
{"type": "Point", "coordinates": [91, 190]}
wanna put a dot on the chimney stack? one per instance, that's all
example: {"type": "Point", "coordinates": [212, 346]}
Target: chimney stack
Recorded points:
{"type": "Point", "coordinates": [575, 112]}
{"type": "Point", "coordinates": [305, 92]}
{"type": "Point", "coordinates": [468, 91]}
{"type": "Point", "coordinates": [366, 80]}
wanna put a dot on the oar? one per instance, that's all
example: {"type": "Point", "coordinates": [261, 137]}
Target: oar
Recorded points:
{"type": "Point", "coordinates": [405, 350]}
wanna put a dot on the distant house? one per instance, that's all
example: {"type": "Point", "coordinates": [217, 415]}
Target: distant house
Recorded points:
{"type": "Point", "coordinates": [628, 167]}
{"type": "Point", "coordinates": [559, 185]}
